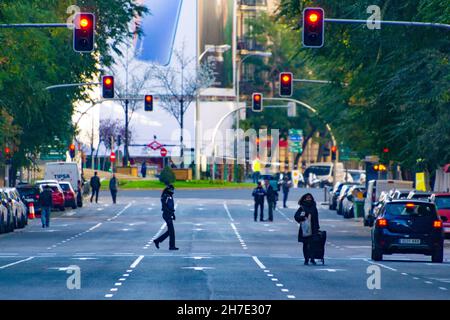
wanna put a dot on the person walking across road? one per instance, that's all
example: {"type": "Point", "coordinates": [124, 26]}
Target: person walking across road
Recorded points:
{"type": "Point", "coordinates": [114, 187]}
{"type": "Point", "coordinates": [308, 217]}
{"type": "Point", "coordinates": [271, 195]}
{"type": "Point", "coordinates": [144, 169]}
{"type": "Point", "coordinates": [95, 185]}
{"type": "Point", "coordinates": [258, 194]}
{"type": "Point", "coordinates": [168, 209]}
{"type": "Point", "coordinates": [285, 186]}
{"type": "Point", "coordinates": [46, 203]}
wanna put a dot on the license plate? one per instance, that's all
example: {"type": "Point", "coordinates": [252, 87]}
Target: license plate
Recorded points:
{"type": "Point", "coordinates": [410, 241]}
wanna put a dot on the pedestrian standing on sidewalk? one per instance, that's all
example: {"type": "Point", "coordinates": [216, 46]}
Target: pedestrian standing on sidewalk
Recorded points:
{"type": "Point", "coordinates": [168, 209]}
{"type": "Point", "coordinates": [114, 187]}
{"type": "Point", "coordinates": [308, 217]}
{"type": "Point", "coordinates": [144, 169]}
{"type": "Point", "coordinates": [258, 194]}
{"type": "Point", "coordinates": [95, 185]}
{"type": "Point", "coordinates": [285, 186]}
{"type": "Point", "coordinates": [46, 203]}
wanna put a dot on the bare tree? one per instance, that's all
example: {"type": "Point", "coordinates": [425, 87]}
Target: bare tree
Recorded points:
{"type": "Point", "coordinates": [181, 86]}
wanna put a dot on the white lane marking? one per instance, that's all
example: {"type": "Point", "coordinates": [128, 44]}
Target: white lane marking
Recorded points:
{"type": "Point", "coordinates": [117, 284]}
{"type": "Point", "coordinates": [288, 219]}
{"type": "Point", "coordinates": [428, 282]}
{"type": "Point", "coordinates": [228, 211]}
{"type": "Point", "coordinates": [198, 268]}
{"type": "Point", "coordinates": [17, 262]}
{"type": "Point", "coordinates": [96, 226]}
{"type": "Point", "coordinates": [114, 289]}
{"type": "Point", "coordinates": [291, 297]}
{"type": "Point", "coordinates": [274, 279]}
{"type": "Point", "coordinates": [381, 265]}
{"type": "Point", "coordinates": [279, 285]}
{"type": "Point", "coordinates": [442, 288]}
{"type": "Point", "coordinates": [404, 274]}
{"type": "Point", "coordinates": [259, 263]}
{"type": "Point", "coordinates": [285, 290]}
{"type": "Point", "coordinates": [121, 211]}
{"type": "Point", "coordinates": [136, 262]}
{"type": "Point", "coordinates": [108, 295]}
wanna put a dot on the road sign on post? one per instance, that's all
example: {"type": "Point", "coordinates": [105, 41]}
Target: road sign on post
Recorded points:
{"type": "Point", "coordinates": [296, 140]}
{"type": "Point", "coordinates": [163, 152]}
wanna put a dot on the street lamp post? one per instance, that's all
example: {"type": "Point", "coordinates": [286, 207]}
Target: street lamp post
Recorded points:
{"type": "Point", "coordinates": [208, 49]}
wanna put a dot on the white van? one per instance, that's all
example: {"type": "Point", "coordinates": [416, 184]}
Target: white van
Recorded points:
{"type": "Point", "coordinates": [63, 171]}
{"type": "Point", "coordinates": [324, 172]}
{"type": "Point", "coordinates": [374, 190]}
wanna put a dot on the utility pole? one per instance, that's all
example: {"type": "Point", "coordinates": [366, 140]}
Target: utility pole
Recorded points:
{"type": "Point", "coordinates": [126, 134]}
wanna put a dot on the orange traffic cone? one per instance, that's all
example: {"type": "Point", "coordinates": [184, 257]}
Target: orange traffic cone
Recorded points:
{"type": "Point", "coordinates": [31, 214]}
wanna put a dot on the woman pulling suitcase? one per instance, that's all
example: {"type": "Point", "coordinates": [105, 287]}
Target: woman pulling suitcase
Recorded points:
{"type": "Point", "coordinates": [308, 217]}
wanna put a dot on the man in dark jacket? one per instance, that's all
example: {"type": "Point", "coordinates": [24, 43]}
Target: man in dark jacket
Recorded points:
{"type": "Point", "coordinates": [144, 169]}
{"type": "Point", "coordinates": [95, 185]}
{"type": "Point", "coordinates": [307, 211]}
{"type": "Point", "coordinates": [168, 209]}
{"type": "Point", "coordinates": [46, 203]}
{"type": "Point", "coordinates": [271, 195]}
{"type": "Point", "coordinates": [258, 194]}
{"type": "Point", "coordinates": [113, 187]}
{"type": "Point", "coordinates": [285, 186]}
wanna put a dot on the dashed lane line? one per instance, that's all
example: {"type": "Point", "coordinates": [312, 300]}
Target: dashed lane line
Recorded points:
{"type": "Point", "coordinates": [124, 277]}
{"type": "Point", "coordinates": [14, 263]}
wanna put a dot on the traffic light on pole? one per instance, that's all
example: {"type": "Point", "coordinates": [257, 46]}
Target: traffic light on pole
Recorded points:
{"type": "Point", "coordinates": [149, 103]}
{"type": "Point", "coordinates": [257, 102]}
{"type": "Point", "coordinates": [108, 87]}
{"type": "Point", "coordinates": [286, 84]}
{"type": "Point", "coordinates": [334, 153]}
{"type": "Point", "coordinates": [313, 27]}
{"type": "Point", "coordinates": [83, 32]}
{"type": "Point", "coordinates": [72, 151]}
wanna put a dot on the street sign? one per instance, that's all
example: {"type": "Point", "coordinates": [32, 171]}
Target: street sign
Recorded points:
{"type": "Point", "coordinates": [163, 152]}
{"type": "Point", "coordinates": [113, 157]}
{"type": "Point", "coordinates": [296, 140]}
{"type": "Point", "coordinates": [295, 178]}
{"type": "Point", "coordinates": [155, 145]}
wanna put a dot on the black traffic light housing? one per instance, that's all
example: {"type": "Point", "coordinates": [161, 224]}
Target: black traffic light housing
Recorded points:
{"type": "Point", "coordinates": [72, 151]}
{"type": "Point", "coordinates": [148, 102]}
{"type": "Point", "coordinates": [84, 32]}
{"type": "Point", "coordinates": [257, 102]}
{"type": "Point", "coordinates": [334, 150]}
{"type": "Point", "coordinates": [313, 27]}
{"type": "Point", "coordinates": [286, 84]}
{"type": "Point", "coordinates": [108, 87]}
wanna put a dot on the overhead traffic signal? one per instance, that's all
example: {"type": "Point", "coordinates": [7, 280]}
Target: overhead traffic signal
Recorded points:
{"type": "Point", "coordinates": [83, 32]}
{"type": "Point", "coordinates": [72, 151]}
{"type": "Point", "coordinates": [149, 103]}
{"type": "Point", "coordinates": [257, 102]}
{"type": "Point", "coordinates": [313, 27]}
{"type": "Point", "coordinates": [286, 84]}
{"type": "Point", "coordinates": [334, 150]}
{"type": "Point", "coordinates": [108, 87]}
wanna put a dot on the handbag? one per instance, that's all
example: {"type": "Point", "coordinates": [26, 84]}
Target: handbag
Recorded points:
{"type": "Point", "coordinates": [306, 227]}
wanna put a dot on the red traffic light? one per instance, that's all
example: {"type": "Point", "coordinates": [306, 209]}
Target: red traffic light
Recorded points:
{"type": "Point", "coordinates": [148, 105]}
{"type": "Point", "coordinates": [334, 149]}
{"type": "Point", "coordinates": [257, 97]}
{"type": "Point", "coordinates": [148, 98]}
{"type": "Point", "coordinates": [7, 150]}
{"type": "Point", "coordinates": [386, 150]}
{"type": "Point", "coordinates": [313, 27]}
{"type": "Point", "coordinates": [84, 32]}
{"type": "Point", "coordinates": [286, 81]}
{"type": "Point", "coordinates": [257, 105]}
{"type": "Point", "coordinates": [286, 78]}
{"type": "Point", "coordinates": [313, 17]}
{"type": "Point", "coordinates": [108, 87]}
{"type": "Point", "coordinates": [72, 147]}
{"type": "Point", "coordinates": [84, 23]}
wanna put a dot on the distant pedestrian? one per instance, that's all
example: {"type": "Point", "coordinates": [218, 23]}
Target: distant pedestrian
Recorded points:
{"type": "Point", "coordinates": [114, 187]}
{"type": "Point", "coordinates": [80, 194]}
{"type": "Point", "coordinates": [168, 209]}
{"type": "Point", "coordinates": [144, 169]}
{"type": "Point", "coordinates": [46, 204]}
{"type": "Point", "coordinates": [286, 185]}
{"type": "Point", "coordinates": [256, 168]}
{"type": "Point", "coordinates": [95, 185]}
{"type": "Point", "coordinates": [308, 217]}
{"type": "Point", "coordinates": [259, 194]}
{"type": "Point", "coordinates": [271, 196]}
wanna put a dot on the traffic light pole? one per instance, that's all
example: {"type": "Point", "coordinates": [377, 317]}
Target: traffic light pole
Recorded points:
{"type": "Point", "coordinates": [36, 25]}
{"type": "Point", "coordinates": [396, 23]}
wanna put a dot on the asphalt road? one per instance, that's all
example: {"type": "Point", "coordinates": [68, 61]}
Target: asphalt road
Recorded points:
{"type": "Point", "coordinates": [223, 255]}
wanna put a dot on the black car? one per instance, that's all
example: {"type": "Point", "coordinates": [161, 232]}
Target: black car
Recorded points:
{"type": "Point", "coordinates": [408, 226]}
{"type": "Point", "coordinates": [29, 193]}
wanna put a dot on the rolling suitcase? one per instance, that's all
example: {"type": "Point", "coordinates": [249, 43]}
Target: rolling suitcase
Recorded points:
{"type": "Point", "coordinates": [317, 246]}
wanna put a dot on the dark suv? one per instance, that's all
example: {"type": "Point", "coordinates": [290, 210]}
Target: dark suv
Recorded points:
{"type": "Point", "coordinates": [408, 226]}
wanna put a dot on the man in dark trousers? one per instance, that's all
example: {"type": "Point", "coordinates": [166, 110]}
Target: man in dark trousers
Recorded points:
{"type": "Point", "coordinates": [46, 203]}
{"type": "Point", "coordinates": [113, 187]}
{"type": "Point", "coordinates": [95, 185]}
{"type": "Point", "coordinates": [271, 198]}
{"type": "Point", "coordinates": [258, 194]}
{"type": "Point", "coordinates": [168, 209]}
{"type": "Point", "coordinates": [285, 186]}
{"type": "Point", "coordinates": [144, 169]}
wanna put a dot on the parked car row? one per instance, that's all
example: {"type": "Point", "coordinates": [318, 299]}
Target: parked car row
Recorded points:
{"type": "Point", "coordinates": [15, 202]}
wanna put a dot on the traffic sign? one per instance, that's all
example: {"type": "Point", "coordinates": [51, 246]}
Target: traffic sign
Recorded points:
{"type": "Point", "coordinates": [163, 152]}
{"type": "Point", "coordinates": [113, 157]}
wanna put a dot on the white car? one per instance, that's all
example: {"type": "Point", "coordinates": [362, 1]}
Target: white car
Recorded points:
{"type": "Point", "coordinates": [18, 208]}
{"type": "Point", "coordinates": [4, 213]}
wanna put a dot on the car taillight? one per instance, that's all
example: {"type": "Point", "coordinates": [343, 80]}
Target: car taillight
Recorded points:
{"type": "Point", "coordinates": [382, 223]}
{"type": "Point", "coordinates": [437, 224]}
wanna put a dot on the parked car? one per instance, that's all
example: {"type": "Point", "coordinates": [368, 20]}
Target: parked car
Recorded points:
{"type": "Point", "coordinates": [400, 194]}
{"type": "Point", "coordinates": [374, 190]}
{"type": "Point", "coordinates": [324, 173]}
{"type": "Point", "coordinates": [57, 195]}
{"type": "Point", "coordinates": [442, 202]}
{"type": "Point", "coordinates": [408, 226]}
{"type": "Point", "coordinates": [420, 195]}
{"type": "Point", "coordinates": [334, 194]}
{"type": "Point", "coordinates": [357, 176]}
{"type": "Point", "coordinates": [70, 197]}
{"type": "Point", "coordinates": [341, 198]}
{"type": "Point", "coordinates": [29, 193]}
{"type": "Point", "coordinates": [5, 216]}
{"type": "Point", "coordinates": [18, 208]}
{"type": "Point", "coordinates": [349, 200]}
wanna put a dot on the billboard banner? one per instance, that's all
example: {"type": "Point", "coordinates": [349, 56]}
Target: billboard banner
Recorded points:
{"type": "Point", "coordinates": [216, 26]}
